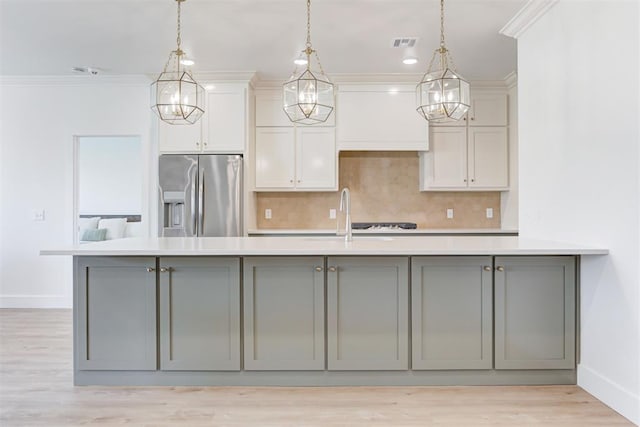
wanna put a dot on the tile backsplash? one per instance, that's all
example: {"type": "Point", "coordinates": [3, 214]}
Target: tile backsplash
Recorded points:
{"type": "Point", "coordinates": [384, 188]}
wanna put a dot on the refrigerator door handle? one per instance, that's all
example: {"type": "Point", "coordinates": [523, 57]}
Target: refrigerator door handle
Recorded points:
{"type": "Point", "coordinates": [201, 203]}
{"type": "Point", "coordinates": [193, 203]}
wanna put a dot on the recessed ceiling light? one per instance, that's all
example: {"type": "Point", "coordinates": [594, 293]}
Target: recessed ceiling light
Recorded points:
{"type": "Point", "coordinates": [410, 60]}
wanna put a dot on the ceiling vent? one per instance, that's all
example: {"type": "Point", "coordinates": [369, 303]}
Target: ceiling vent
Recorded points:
{"type": "Point", "coordinates": [92, 71]}
{"type": "Point", "coordinates": [404, 42]}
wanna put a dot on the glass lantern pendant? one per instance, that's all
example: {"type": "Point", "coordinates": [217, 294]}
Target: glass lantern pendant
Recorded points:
{"type": "Point", "coordinates": [308, 96]}
{"type": "Point", "coordinates": [175, 96]}
{"type": "Point", "coordinates": [442, 95]}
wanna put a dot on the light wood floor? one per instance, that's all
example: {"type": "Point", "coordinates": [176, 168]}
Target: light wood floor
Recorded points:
{"type": "Point", "coordinates": [36, 390]}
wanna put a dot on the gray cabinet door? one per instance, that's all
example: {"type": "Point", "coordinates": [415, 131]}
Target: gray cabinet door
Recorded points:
{"type": "Point", "coordinates": [284, 313]}
{"type": "Point", "coordinates": [199, 313]}
{"type": "Point", "coordinates": [367, 313]}
{"type": "Point", "coordinates": [451, 312]}
{"type": "Point", "coordinates": [535, 312]}
{"type": "Point", "coordinates": [115, 313]}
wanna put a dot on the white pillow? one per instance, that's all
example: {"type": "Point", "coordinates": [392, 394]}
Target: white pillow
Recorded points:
{"type": "Point", "coordinates": [133, 229]}
{"type": "Point", "coordinates": [114, 226]}
{"type": "Point", "coordinates": [87, 224]}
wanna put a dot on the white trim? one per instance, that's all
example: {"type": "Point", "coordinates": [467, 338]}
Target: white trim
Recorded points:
{"type": "Point", "coordinates": [530, 13]}
{"type": "Point", "coordinates": [120, 80]}
{"type": "Point", "coordinates": [611, 394]}
{"type": "Point", "coordinates": [511, 80]}
{"type": "Point", "coordinates": [35, 301]}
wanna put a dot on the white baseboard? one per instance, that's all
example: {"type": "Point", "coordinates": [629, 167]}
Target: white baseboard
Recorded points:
{"type": "Point", "coordinates": [35, 301]}
{"type": "Point", "coordinates": [611, 394]}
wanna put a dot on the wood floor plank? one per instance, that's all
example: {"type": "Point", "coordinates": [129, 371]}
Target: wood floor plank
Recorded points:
{"type": "Point", "coordinates": [36, 390]}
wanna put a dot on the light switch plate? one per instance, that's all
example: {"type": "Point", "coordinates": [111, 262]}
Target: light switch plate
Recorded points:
{"type": "Point", "coordinates": [37, 214]}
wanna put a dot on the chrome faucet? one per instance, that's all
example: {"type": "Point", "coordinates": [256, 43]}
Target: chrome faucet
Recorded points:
{"type": "Point", "coordinates": [345, 205]}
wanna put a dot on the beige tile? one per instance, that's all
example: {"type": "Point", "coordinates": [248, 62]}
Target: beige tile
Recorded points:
{"type": "Point", "coordinates": [384, 187]}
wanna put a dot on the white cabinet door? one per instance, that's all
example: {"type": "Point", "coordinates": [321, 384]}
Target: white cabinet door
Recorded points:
{"type": "Point", "coordinates": [275, 157]}
{"type": "Point", "coordinates": [445, 164]}
{"type": "Point", "coordinates": [488, 109]}
{"type": "Point", "coordinates": [488, 158]}
{"type": "Point", "coordinates": [225, 119]}
{"type": "Point", "coordinates": [316, 158]}
{"type": "Point", "coordinates": [380, 117]}
{"type": "Point", "coordinates": [179, 138]}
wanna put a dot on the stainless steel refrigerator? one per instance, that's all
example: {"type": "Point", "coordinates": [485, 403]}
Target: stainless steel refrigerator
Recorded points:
{"type": "Point", "coordinates": [200, 195]}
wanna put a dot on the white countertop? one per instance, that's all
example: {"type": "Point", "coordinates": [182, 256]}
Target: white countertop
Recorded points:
{"type": "Point", "coordinates": [418, 231]}
{"type": "Point", "coordinates": [326, 245]}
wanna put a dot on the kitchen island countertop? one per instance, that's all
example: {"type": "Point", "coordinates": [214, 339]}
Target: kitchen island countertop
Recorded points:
{"type": "Point", "coordinates": [325, 245]}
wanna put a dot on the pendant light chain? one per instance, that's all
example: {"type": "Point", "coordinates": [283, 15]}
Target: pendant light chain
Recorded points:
{"type": "Point", "coordinates": [179, 39]}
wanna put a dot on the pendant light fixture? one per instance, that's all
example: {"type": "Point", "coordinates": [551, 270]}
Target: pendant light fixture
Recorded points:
{"type": "Point", "coordinates": [309, 96]}
{"type": "Point", "coordinates": [442, 95]}
{"type": "Point", "coordinates": [175, 96]}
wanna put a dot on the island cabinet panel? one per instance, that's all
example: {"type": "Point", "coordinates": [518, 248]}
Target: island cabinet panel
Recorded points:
{"type": "Point", "coordinates": [199, 306]}
{"type": "Point", "coordinates": [284, 313]}
{"type": "Point", "coordinates": [115, 313]}
{"type": "Point", "coordinates": [451, 312]}
{"type": "Point", "coordinates": [535, 312]}
{"type": "Point", "coordinates": [367, 313]}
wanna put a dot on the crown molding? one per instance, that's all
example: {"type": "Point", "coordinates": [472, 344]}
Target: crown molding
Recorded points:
{"type": "Point", "coordinates": [82, 80]}
{"type": "Point", "coordinates": [511, 80]}
{"type": "Point", "coordinates": [529, 14]}
{"type": "Point", "coordinates": [250, 77]}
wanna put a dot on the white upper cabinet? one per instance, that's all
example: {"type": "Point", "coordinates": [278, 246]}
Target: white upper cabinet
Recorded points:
{"type": "Point", "coordinates": [225, 129]}
{"type": "Point", "coordinates": [269, 111]}
{"type": "Point", "coordinates": [488, 108]}
{"type": "Point", "coordinates": [222, 129]}
{"type": "Point", "coordinates": [294, 159]}
{"type": "Point", "coordinates": [466, 159]}
{"type": "Point", "coordinates": [379, 117]}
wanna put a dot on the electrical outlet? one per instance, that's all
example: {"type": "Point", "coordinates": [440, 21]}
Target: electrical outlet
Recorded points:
{"type": "Point", "coordinates": [332, 214]}
{"type": "Point", "coordinates": [489, 212]}
{"type": "Point", "coordinates": [267, 214]}
{"type": "Point", "coordinates": [450, 213]}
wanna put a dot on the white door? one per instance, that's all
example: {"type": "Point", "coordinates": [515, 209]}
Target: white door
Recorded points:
{"type": "Point", "coordinates": [488, 157]}
{"type": "Point", "coordinates": [316, 158]}
{"type": "Point", "coordinates": [275, 158]}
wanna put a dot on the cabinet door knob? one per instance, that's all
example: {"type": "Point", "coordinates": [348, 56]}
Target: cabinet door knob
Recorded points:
{"type": "Point", "coordinates": [465, 180]}
{"type": "Point", "coordinates": [487, 268]}
{"type": "Point", "coordinates": [333, 269]}
{"type": "Point", "coordinates": [164, 269]}
{"type": "Point", "coordinates": [197, 144]}
{"type": "Point", "coordinates": [150, 269]}
{"type": "Point", "coordinates": [473, 180]}
{"type": "Point", "coordinates": [291, 181]}
{"type": "Point", "coordinates": [473, 118]}
{"type": "Point", "coordinates": [500, 268]}
{"type": "Point", "coordinates": [318, 269]}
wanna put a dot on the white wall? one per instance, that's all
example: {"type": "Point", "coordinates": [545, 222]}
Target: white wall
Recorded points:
{"type": "Point", "coordinates": [109, 175]}
{"type": "Point", "coordinates": [40, 118]}
{"type": "Point", "coordinates": [578, 81]}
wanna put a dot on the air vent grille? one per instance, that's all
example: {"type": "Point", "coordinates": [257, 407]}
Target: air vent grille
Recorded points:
{"type": "Point", "coordinates": [404, 42]}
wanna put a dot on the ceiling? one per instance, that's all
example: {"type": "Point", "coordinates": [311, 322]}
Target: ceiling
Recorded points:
{"type": "Point", "coordinates": [123, 37]}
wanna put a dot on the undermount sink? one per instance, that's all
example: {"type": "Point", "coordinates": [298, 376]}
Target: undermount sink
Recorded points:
{"type": "Point", "coordinates": [341, 238]}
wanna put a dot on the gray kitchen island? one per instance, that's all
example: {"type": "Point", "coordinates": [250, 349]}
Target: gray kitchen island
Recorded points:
{"type": "Point", "coordinates": [316, 310]}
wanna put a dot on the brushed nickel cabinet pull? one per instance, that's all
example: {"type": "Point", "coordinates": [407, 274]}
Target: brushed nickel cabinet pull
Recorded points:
{"type": "Point", "coordinates": [500, 268]}
{"type": "Point", "coordinates": [487, 268]}
{"type": "Point", "coordinates": [318, 269]}
{"type": "Point", "coordinates": [333, 269]}
{"type": "Point", "coordinates": [150, 269]}
{"type": "Point", "coordinates": [164, 269]}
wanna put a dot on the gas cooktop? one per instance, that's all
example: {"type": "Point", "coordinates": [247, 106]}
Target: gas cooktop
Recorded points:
{"type": "Point", "coordinates": [384, 226]}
